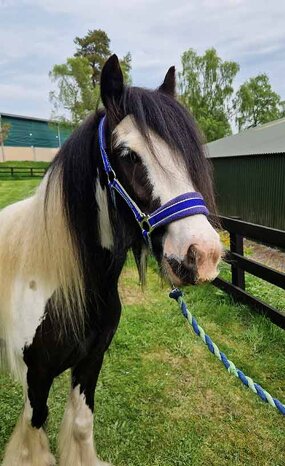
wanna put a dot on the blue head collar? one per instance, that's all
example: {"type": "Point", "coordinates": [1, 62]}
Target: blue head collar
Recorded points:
{"type": "Point", "coordinates": [187, 204]}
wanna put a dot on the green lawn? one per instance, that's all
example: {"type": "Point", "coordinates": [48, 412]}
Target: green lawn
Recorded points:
{"type": "Point", "coordinates": [15, 190]}
{"type": "Point", "coordinates": [24, 163]}
{"type": "Point", "coordinates": [162, 398]}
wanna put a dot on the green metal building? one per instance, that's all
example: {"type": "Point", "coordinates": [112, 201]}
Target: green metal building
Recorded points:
{"type": "Point", "coordinates": [42, 137]}
{"type": "Point", "coordinates": [249, 173]}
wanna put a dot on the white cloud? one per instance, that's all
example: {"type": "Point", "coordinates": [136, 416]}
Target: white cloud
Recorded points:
{"type": "Point", "coordinates": [39, 33]}
{"type": "Point", "coordinates": [18, 92]}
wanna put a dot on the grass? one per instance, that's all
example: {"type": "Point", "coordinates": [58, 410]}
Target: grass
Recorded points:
{"type": "Point", "coordinates": [162, 398]}
{"type": "Point", "coordinates": [24, 163]}
{"type": "Point", "coordinates": [15, 190]}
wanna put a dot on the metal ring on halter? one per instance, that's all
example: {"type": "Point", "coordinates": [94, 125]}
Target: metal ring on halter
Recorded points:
{"type": "Point", "coordinates": [112, 177]}
{"type": "Point", "coordinates": [145, 225]}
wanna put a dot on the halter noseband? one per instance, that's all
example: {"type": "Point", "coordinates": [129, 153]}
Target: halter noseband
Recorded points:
{"type": "Point", "coordinates": [185, 205]}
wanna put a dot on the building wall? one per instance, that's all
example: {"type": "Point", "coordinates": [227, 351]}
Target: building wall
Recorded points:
{"type": "Point", "coordinates": [40, 154]}
{"type": "Point", "coordinates": [252, 188]}
{"type": "Point", "coordinates": [26, 132]}
{"type": "Point", "coordinates": [31, 139]}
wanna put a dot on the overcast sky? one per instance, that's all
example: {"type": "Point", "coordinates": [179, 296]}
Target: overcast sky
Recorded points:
{"type": "Point", "coordinates": [36, 34]}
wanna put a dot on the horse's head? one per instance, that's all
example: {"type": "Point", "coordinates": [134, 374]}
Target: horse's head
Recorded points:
{"type": "Point", "coordinates": [155, 150]}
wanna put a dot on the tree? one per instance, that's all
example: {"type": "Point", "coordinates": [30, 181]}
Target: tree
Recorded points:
{"type": "Point", "coordinates": [256, 103]}
{"type": "Point", "coordinates": [95, 46]}
{"type": "Point", "coordinates": [76, 95]}
{"type": "Point", "coordinates": [4, 131]}
{"type": "Point", "coordinates": [205, 86]}
{"type": "Point", "coordinates": [78, 79]}
{"type": "Point", "coordinates": [126, 65]}
{"type": "Point", "coordinates": [282, 109]}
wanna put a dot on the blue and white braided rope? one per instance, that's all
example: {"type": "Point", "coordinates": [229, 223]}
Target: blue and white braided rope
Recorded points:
{"type": "Point", "coordinates": [229, 365]}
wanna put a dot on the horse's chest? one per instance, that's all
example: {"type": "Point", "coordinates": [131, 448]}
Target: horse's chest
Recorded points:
{"type": "Point", "coordinates": [28, 303]}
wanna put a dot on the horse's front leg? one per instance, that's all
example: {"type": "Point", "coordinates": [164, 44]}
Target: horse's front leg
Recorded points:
{"type": "Point", "coordinates": [28, 445]}
{"type": "Point", "coordinates": [76, 442]}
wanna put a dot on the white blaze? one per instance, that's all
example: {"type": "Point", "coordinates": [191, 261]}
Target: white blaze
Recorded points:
{"type": "Point", "coordinates": [169, 178]}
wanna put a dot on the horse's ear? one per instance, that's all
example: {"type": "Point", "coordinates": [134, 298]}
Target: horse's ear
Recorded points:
{"type": "Point", "coordinates": [168, 85]}
{"type": "Point", "coordinates": [112, 82]}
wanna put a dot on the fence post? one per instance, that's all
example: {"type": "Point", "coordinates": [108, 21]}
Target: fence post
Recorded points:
{"type": "Point", "coordinates": [236, 245]}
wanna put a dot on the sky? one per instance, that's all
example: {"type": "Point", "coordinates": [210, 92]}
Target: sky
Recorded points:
{"type": "Point", "coordinates": [36, 34]}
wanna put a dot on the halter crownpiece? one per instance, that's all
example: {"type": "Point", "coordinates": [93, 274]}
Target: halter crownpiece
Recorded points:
{"type": "Point", "coordinates": [185, 205]}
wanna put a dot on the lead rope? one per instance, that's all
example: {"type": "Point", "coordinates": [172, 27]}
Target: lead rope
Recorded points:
{"type": "Point", "coordinates": [229, 365]}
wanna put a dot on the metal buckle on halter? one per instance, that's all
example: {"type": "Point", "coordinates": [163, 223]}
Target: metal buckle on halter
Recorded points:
{"type": "Point", "coordinates": [146, 227]}
{"type": "Point", "coordinates": [111, 175]}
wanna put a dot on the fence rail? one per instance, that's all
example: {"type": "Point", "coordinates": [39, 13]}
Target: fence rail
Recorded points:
{"type": "Point", "coordinates": [22, 171]}
{"type": "Point", "coordinates": [241, 264]}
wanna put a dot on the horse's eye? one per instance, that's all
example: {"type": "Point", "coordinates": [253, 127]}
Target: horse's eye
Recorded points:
{"type": "Point", "coordinates": [131, 157]}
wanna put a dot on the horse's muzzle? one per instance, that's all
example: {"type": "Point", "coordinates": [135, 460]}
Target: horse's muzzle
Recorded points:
{"type": "Point", "coordinates": [197, 266]}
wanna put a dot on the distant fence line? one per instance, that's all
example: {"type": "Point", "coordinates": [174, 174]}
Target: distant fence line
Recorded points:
{"type": "Point", "coordinates": [22, 172]}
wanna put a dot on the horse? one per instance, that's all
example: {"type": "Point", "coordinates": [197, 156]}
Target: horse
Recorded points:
{"type": "Point", "coordinates": [132, 176]}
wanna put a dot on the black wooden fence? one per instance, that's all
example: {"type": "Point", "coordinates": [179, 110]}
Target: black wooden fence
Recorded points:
{"type": "Point", "coordinates": [240, 264]}
{"type": "Point", "coordinates": [21, 172]}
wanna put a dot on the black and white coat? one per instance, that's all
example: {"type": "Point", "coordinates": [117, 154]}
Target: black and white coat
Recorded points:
{"type": "Point", "coordinates": [62, 251]}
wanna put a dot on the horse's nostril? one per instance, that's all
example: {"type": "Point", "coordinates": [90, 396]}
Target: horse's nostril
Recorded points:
{"type": "Point", "coordinates": [185, 270]}
{"type": "Point", "coordinates": [190, 258]}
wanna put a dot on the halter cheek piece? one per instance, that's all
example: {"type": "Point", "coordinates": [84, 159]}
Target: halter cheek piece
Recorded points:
{"type": "Point", "coordinates": [185, 205]}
